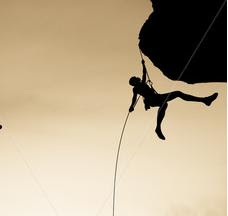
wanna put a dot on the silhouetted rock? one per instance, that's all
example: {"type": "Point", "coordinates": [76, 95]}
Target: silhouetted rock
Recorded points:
{"type": "Point", "coordinates": [174, 29]}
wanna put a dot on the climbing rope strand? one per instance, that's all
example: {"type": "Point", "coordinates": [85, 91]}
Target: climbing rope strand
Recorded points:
{"type": "Point", "coordinates": [140, 51]}
{"type": "Point", "coordinates": [116, 165]}
{"type": "Point", "coordinates": [117, 160]}
{"type": "Point", "coordinates": [27, 163]}
{"type": "Point", "coordinates": [196, 49]}
{"type": "Point", "coordinates": [202, 39]}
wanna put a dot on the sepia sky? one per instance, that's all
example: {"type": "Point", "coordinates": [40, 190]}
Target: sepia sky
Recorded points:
{"type": "Point", "coordinates": [64, 96]}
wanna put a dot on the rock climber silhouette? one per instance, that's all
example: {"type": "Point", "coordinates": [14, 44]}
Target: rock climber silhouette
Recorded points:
{"type": "Point", "coordinates": [154, 99]}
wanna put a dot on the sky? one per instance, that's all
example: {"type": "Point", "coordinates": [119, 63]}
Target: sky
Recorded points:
{"type": "Point", "coordinates": [64, 68]}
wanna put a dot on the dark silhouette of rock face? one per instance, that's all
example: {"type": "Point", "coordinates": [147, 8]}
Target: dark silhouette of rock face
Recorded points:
{"type": "Point", "coordinates": [173, 31]}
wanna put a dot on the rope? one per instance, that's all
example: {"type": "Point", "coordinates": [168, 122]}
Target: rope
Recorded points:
{"type": "Point", "coordinates": [140, 51]}
{"type": "Point", "coordinates": [116, 166]}
{"type": "Point", "coordinates": [197, 47]}
{"type": "Point", "coordinates": [202, 39]}
{"type": "Point", "coordinates": [27, 163]}
{"type": "Point", "coordinates": [117, 160]}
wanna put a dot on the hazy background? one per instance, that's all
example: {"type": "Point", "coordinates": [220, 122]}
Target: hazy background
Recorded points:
{"type": "Point", "coordinates": [64, 95]}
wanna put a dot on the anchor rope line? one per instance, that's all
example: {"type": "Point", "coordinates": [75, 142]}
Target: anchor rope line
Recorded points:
{"type": "Point", "coordinates": [31, 172]}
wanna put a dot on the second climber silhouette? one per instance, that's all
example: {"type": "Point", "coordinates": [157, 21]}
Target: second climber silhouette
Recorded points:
{"type": "Point", "coordinates": [154, 99]}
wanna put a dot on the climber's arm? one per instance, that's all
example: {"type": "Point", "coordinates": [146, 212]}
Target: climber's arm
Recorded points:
{"type": "Point", "coordinates": [144, 72]}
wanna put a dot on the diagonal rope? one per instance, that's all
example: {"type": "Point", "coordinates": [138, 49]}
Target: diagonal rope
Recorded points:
{"type": "Point", "coordinates": [202, 39]}
{"type": "Point", "coordinates": [33, 176]}
{"type": "Point", "coordinates": [196, 49]}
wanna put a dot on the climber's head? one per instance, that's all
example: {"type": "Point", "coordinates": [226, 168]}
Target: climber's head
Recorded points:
{"type": "Point", "coordinates": [134, 81]}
